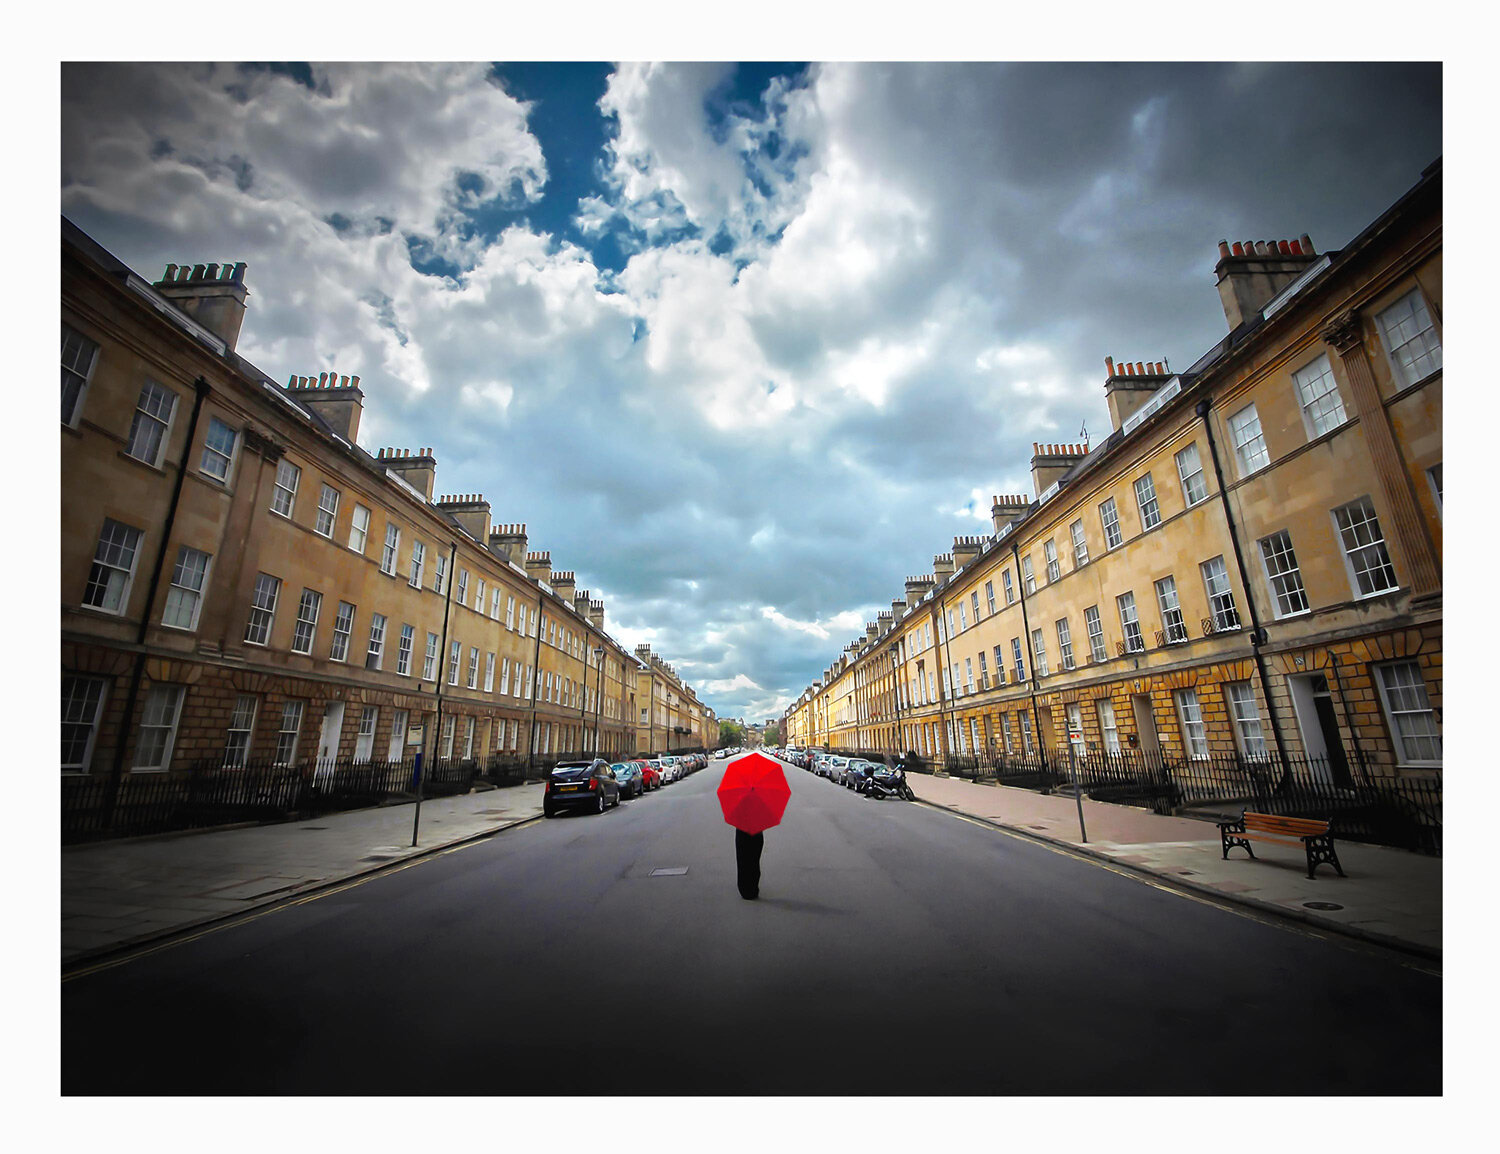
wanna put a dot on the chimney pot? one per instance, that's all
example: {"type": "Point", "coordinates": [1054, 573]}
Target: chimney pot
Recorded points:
{"type": "Point", "coordinates": [170, 273]}
{"type": "Point", "coordinates": [211, 272]}
{"type": "Point", "coordinates": [1307, 245]}
{"type": "Point", "coordinates": [1109, 365]}
{"type": "Point", "coordinates": [197, 272]}
{"type": "Point", "coordinates": [1239, 249]}
{"type": "Point", "coordinates": [1223, 249]}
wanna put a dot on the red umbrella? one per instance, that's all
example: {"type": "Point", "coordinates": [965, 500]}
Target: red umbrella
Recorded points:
{"type": "Point", "coordinates": [754, 793]}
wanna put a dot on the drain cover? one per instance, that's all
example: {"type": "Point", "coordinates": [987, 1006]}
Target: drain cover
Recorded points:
{"type": "Point", "coordinates": [669, 871]}
{"type": "Point", "coordinates": [313, 827]}
{"type": "Point", "coordinates": [1322, 905]}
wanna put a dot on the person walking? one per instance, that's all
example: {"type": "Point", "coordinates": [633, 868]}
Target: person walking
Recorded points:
{"type": "Point", "coordinates": [747, 847]}
{"type": "Point", "coordinates": [753, 795]}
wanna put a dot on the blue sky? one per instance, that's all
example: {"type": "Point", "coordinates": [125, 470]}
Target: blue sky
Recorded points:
{"type": "Point", "coordinates": [743, 345]}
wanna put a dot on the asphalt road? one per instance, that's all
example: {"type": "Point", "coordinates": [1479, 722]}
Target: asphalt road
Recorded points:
{"type": "Point", "coordinates": [894, 949]}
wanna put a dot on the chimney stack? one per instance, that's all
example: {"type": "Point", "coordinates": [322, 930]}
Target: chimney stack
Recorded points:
{"type": "Point", "coordinates": [916, 589]}
{"type": "Point", "coordinates": [1129, 386]}
{"type": "Point", "coordinates": [337, 400]}
{"type": "Point", "coordinates": [471, 511]}
{"type": "Point", "coordinates": [563, 583]}
{"type": "Point", "coordinates": [213, 298]}
{"type": "Point", "coordinates": [539, 567]}
{"type": "Point", "coordinates": [1008, 509]}
{"type": "Point", "coordinates": [1050, 463]}
{"type": "Point", "coordinates": [965, 549]}
{"type": "Point", "coordinates": [1250, 273]}
{"type": "Point", "coordinates": [942, 567]}
{"type": "Point", "coordinates": [508, 542]}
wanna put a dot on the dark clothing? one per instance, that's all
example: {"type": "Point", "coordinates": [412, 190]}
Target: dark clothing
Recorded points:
{"type": "Point", "coordinates": [747, 847]}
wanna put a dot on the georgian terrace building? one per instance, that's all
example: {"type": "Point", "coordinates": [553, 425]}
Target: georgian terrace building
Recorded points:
{"type": "Point", "coordinates": [1251, 562]}
{"type": "Point", "coordinates": [242, 582]}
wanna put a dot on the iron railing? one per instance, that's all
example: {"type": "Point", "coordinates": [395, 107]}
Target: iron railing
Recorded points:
{"type": "Point", "coordinates": [211, 794]}
{"type": "Point", "coordinates": [1361, 805]}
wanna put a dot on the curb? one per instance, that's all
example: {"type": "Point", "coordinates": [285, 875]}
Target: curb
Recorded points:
{"type": "Point", "coordinates": [123, 951]}
{"type": "Point", "coordinates": [1427, 953]}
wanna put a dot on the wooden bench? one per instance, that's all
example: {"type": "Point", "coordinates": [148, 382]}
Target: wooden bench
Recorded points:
{"type": "Point", "coordinates": [1312, 835]}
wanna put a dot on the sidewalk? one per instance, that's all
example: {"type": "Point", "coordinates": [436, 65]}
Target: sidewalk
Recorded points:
{"type": "Point", "coordinates": [128, 893]}
{"type": "Point", "coordinates": [1389, 896]}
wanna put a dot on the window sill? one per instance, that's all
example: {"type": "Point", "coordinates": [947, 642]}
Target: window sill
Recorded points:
{"type": "Point", "coordinates": [150, 466]}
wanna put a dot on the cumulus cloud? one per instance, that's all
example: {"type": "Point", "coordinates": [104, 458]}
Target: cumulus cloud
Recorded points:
{"type": "Point", "coordinates": [849, 304]}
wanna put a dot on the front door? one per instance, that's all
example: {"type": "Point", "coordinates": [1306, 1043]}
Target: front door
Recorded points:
{"type": "Point", "coordinates": [1145, 727]}
{"type": "Point", "coordinates": [1320, 730]}
{"type": "Point", "coordinates": [328, 737]}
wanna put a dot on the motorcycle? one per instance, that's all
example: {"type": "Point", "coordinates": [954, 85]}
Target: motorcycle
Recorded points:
{"type": "Point", "coordinates": [889, 783]}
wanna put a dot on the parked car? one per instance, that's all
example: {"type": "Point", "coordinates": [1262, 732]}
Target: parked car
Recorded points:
{"type": "Point", "coordinates": [857, 775]}
{"type": "Point", "coordinates": [650, 774]}
{"type": "Point", "coordinates": [833, 767]}
{"type": "Point", "coordinates": [589, 785]}
{"type": "Point", "coordinates": [628, 774]}
{"type": "Point", "coordinates": [667, 768]}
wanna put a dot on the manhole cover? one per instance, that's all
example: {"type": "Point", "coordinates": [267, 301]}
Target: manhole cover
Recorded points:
{"type": "Point", "coordinates": [312, 827]}
{"type": "Point", "coordinates": [669, 872]}
{"type": "Point", "coordinates": [1322, 905]}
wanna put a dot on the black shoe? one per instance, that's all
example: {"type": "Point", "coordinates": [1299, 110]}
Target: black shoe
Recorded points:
{"type": "Point", "coordinates": [749, 895]}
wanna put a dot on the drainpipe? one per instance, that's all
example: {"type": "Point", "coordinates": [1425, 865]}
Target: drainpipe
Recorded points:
{"type": "Point", "coordinates": [117, 764]}
{"type": "Point", "coordinates": [437, 725]}
{"type": "Point", "coordinates": [1257, 633]}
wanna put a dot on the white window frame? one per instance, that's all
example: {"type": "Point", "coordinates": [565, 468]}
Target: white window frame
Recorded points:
{"type": "Point", "coordinates": [404, 647]}
{"type": "Point", "coordinates": [1130, 622]}
{"type": "Point", "coordinates": [461, 591]}
{"type": "Point", "coordinates": [1402, 325]}
{"type": "Point", "coordinates": [1250, 452]}
{"type": "Point", "coordinates": [1028, 577]}
{"type": "Point", "coordinates": [1080, 543]}
{"type": "Point", "coordinates": [364, 742]}
{"type": "Point", "coordinates": [1318, 397]}
{"type": "Point", "coordinates": [1406, 713]}
{"type": "Point", "coordinates": [75, 373]}
{"type": "Point", "coordinates": [473, 678]}
{"type": "Point", "coordinates": [284, 488]}
{"type": "Point", "coordinates": [974, 603]}
{"type": "Point", "coordinates": [152, 423]}
{"type": "Point", "coordinates": [1054, 570]}
{"type": "Point", "coordinates": [240, 735]}
{"type": "Point", "coordinates": [214, 451]}
{"type": "Point", "coordinates": [1221, 606]}
{"type": "Point", "coordinates": [1010, 591]}
{"type": "Point", "coordinates": [1146, 503]}
{"type": "Point", "coordinates": [1283, 576]}
{"type": "Point", "coordinates": [112, 572]}
{"type": "Point", "coordinates": [343, 630]}
{"type": "Point", "coordinates": [1244, 716]}
{"type": "Point", "coordinates": [328, 513]}
{"type": "Point", "coordinates": [1109, 727]}
{"type": "Point", "coordinates": [1173, 627]}
{"type": "Point", "coordinates": [1190, 718]}
{"type": "Point", "coordinates": [288, 735]}
{"type": "Point", "coordinates": [1094, 626]}
{"type": "Point", "coordinates": [430, 658]}
{"type": "Point", "coordinates": [1366, 559]}
{"type": "Point", "coordinates": [1039, 664]}
{"type": "Point", "coordinates": [185, 593]}
{"type": "Point", "coordinates": [1190, 474]}
{"type": "Point", "coordinates": [1109, 518]}
{"type": "Point", "coordinates": [440, 573]}
{"type": "Point", "coordinates": [81, 710]}
{"type": "Point", "coordinates": [262, 617]}
{"type": "Point", "coordinates": [479, 595]}
{"type": "Point", "coordinates": [1019, 660]}
{"type": "Point", "coordinates": [510, 612]}
{"type": "Point", "coordinates": [390, 549]}
{"type": "Point", "coordinates": [359, 529]}
{"type": "Point", "coordinates": [308, 607]}
{"type": "Point", "coordinates": [159, 695]}
{"type": "Point", "coordinates": [455, 658]}
{"type": "Point", "coordinates": [375, 651]}
{"type": "Point", "coordinates": [396, 747]}
{"type": "Point", "coordinates": [489, 673]}
{"type": "Point", "coordinates": [1064, 643]}
{"type": "Point", "coordinates": [418, 558]}
{"type": "Point", "coordinates": [989, 586]}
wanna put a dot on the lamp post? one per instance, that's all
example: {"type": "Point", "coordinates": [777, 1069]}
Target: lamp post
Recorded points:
{"type": "Point", "coordinates": [598, 688]}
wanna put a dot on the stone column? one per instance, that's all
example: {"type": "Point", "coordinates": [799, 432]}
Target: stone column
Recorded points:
{"type": "Point", "coordinates": [1407, 535]}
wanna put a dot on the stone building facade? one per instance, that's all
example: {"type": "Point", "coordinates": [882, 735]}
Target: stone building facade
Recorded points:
{"type": "Point", "coordinates": [243, 583]}
{"type": "Point", "coordinates": [1250, 563]}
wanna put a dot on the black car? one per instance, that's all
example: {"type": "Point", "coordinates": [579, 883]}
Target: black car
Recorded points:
{"type": "Point", "coordinates": [587, 785]}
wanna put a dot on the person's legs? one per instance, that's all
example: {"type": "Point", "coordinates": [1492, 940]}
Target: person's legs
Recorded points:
{"type": "Point", "coordinates": [747, 849]}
